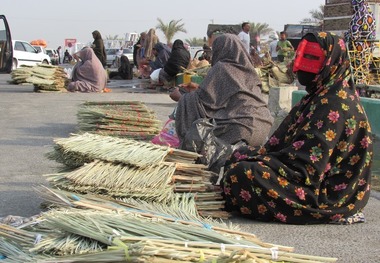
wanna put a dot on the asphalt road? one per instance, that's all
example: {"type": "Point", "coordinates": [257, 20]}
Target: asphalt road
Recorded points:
{"type": "Point", "coordinates": [30, 121]}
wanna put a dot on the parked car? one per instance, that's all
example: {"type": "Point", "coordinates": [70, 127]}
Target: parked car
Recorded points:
{"type": "Point", "coordinates": [25, 54]}
{"type": "Point", "coordinates": [111, 55]}
{"type": "Point", "coordinates": [40, 49]}
{"type": "Point", "coordinates": [53, 54]}
{"type": "Point", "coordinates": [128, 52]}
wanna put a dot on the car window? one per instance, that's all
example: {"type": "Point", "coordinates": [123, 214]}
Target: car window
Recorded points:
{"type": "Point", "coordinates": [29, 47]}
{"type": "Point", "coordinates": [127, 51]}
{"type": "Point", "coordinates": [111, 52]}
{"type": "Point", "coordinates": [19, 46]}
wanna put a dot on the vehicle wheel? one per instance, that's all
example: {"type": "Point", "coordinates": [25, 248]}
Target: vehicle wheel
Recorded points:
{"type": "Point", "coordinates": [45, 62]}
{"type": "Point", "coordinates": [14, 64]}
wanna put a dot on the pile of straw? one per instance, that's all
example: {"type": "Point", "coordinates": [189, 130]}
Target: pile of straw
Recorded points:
{"type": "Point", "coordinates": [158, 183]}
{"type": "Point", "coordinates": [93, 236]}
{"type": "Point", "coordinates": [79, 149]}
{"type": "Point", "coordinates": [130, 119]}
{"type": "Point", "coordinates": [123, 168]}
{"type": "Point", "coordinates": [20, 75]}
{"type": "Point", "coordinates": [45, 78]}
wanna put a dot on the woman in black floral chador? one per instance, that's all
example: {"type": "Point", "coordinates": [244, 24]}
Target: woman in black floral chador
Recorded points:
{"type": "Point", "coordinates": [315, 168]}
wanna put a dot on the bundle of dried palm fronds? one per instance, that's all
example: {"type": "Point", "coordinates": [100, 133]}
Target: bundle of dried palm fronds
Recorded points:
{"type": "Point", "coordinates": [20, 75]}
{"type": "Point", "coordinates": [131, 119]}
{"type": "Point", "coordinates": [156, 183]}
{"type": "Point", "coordinates": [94, 236]}
{"type": "Point", "coordinates": [83, 148]}
{"type": "Point", "coordinates": [45, 78]}
{"type": "Point", "coordinates": [133, 169]}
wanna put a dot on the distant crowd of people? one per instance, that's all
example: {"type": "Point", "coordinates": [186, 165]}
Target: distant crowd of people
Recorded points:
{"type": "Point", "coordinates": [279, 48]}
{"type": "Point", "coordinates": [152, 55]}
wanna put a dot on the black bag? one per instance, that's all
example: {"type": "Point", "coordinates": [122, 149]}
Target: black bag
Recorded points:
{"type": "Point", "coordinates": [200, 138]}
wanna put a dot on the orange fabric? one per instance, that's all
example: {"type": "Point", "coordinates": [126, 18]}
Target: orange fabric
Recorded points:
{"type": "Point", "coordinates": [39, 42]}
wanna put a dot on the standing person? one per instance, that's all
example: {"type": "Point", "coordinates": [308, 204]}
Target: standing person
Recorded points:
{"type": "Point", "coordinates": [118, 54]}
{"type": "Point", "coordinates": [151, 40]}
{"type": "Point", "coordinates": [283, 47]}
{"type": "Point", "coordinates": [59, 54]}
{"type": "Point", "coordinates": [273, 48]}
{"type": "Point", "coordinates": [244, 35]}
{"type": "Point", "coordinates": [98, 47]}
{"type": "Point", "coordinates": [230, 94]}
{"type": "Point", "coordinates": [88, 74]}
{"type": "Point", "coordinates": [179, 59]}
{"type": "Point", "coordinates": [138, 50]}
{"type": "Point", "coordinates": [316, 167]}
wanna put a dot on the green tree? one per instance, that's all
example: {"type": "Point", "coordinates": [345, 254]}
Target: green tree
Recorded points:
{"type": "Point", "coordinates": [195, 41]}
{"type": "Point", "coordinates": [316, 16]}
{"type": "Point", "coordinates": [257, 30]}
{"type": "Point", "coordinates": [171, 29]}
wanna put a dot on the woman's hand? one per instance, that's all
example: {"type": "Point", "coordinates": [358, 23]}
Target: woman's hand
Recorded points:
{"type": "Point", "coordinates": [191, 86]}
{"type": "Point", "coordinates": [175, 94]}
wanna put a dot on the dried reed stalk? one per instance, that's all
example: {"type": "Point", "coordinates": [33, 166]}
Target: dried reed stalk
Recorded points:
{"type": "Point", "coordinates": [78, 149]}
{"type": "Point", "coordinates": [138, 237]}
{"type": "Point", "coordinates": [122, 119]}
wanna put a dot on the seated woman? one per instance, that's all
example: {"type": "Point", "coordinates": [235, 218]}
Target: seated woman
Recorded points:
{"type": "Point", "coordinates": [125, 70]}
{"type": "Point", "coordinates": [88, 74]}
{"type": "Point", "coordinates": [257, 61]}
{"type": "Point", "coordinates": [315, 168]}
{"type": "Point", "coordinates": [179, 59]}
{"type": "Point", "coordinates": [230, 94]}
{"type": "Point", "coordinates": [161, 53]}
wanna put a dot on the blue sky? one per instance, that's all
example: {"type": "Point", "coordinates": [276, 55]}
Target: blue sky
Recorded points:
{"type": "Point", "coordinates": [55, 21]}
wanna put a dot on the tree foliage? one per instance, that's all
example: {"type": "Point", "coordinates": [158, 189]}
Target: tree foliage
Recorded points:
{"type": "Point", "coordinates": [316, 16]}
{"type": "Point", "coordinates": [259, 29]}
{"type": "Point", "coordinates": [171, 29]}
{"type": "Point", "coordinates": [195, 41]}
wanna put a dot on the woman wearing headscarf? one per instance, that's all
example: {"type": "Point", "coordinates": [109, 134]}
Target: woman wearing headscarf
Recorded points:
{"type": "Point", "coordinates": [178, 60]}
{"type": "Point", "coordinates": [230, 94]}
{"type": "Point", "coordinates": [88, 75]}
{"type": "Point", "coordinates": [162, 53]}
{"type": "Point", "coordinates": [98, 47]}
{"type": "Point", "coordinates": [315, 168]}
{"type": "Point", "coordinates": [151, 39]}
{"type": "Point", "coordinates": [138, 50]}
{"type": "Point", "coordinates": [124, 71]}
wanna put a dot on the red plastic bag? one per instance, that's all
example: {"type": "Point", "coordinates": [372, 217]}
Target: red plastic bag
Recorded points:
{"type": "Point", "coordinates": [167, 136]}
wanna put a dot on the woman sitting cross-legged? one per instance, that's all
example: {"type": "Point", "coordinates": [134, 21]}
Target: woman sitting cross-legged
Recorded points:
{"type": "Point", "coordinates": [316, 166]}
